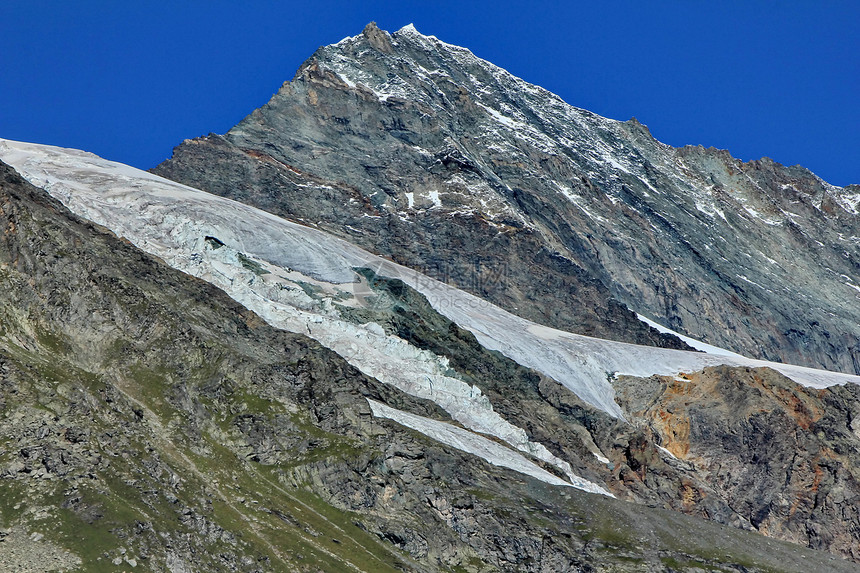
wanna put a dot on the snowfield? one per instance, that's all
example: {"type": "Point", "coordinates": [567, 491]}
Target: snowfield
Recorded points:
{"type": "Point", "coordinates": [266, 263]}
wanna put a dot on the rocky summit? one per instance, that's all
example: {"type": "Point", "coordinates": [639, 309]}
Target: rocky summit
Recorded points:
{"type": "Point", "coordinates": [416, 314]}
{"type": "Point", "coordinates": [420, 151]}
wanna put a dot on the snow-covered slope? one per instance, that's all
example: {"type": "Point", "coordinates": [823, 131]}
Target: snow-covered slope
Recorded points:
{"type": "Point", "coordinates": [698, 345]}
{"type": "Point", "coordinates": [266, 263]}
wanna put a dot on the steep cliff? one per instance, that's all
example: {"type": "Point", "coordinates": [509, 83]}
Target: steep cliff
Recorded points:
{"type": "Point", "coordinates": [344, 412]}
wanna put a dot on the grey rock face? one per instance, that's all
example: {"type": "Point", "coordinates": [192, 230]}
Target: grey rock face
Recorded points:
{"type": "Point", "coordinates": [420, 151]}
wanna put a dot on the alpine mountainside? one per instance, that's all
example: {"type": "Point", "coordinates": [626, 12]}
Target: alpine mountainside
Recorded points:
{"type": "Point", "coordinates": [266, 378]}
{"type": "Point", "coordinates": [152, 423]}
{"type": "Point", "coordinates": [554, 420]}
{"type": "Point", "coordinates": [419, 151]}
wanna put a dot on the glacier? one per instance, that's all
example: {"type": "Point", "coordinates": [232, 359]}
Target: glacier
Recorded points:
{"type": "Point", "coordinates": [262, 261]}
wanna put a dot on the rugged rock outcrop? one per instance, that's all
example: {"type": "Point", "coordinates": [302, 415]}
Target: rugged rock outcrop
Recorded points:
{"type": "Point", "coordinates": [420, 151]}
{"type": "Point", "coordinates": [782, 457]}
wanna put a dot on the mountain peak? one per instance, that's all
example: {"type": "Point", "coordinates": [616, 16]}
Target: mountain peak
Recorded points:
{"type": "Point", "coordinates": [379, 39]}
{"type": "Point", "coordinates": [430, 135]}
{"type": "Point", "coordinates": [370, 28]}
{"type": "Point", "coordinates": [409, 29]}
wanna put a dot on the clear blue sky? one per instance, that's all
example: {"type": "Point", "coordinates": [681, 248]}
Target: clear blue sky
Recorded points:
{"type": "Point", "coordinates": [130, 80]}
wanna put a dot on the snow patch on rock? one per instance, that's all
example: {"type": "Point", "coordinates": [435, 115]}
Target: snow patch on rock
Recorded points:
{"type": "Point", "coordinates": [480, 446]}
